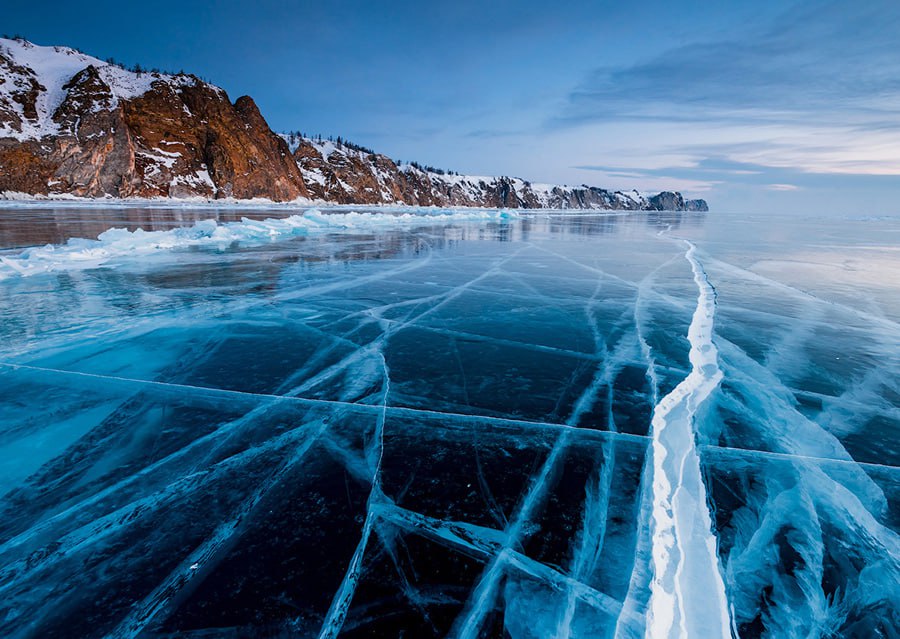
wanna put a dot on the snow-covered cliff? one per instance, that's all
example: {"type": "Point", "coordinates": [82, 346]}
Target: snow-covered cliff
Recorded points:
{"type": "Point", "coordinates": [73, 124]}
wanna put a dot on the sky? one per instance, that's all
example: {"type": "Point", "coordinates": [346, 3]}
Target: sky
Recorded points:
{"type": "Point", "coordinates": [791, 106]}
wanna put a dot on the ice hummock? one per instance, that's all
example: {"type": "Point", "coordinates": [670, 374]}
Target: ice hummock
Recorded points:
{"type": "Point", "coordinates": [119, 243]}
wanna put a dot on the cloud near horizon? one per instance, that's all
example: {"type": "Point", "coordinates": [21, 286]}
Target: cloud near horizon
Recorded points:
{"type": "Point", "coordinates": [816, 90]}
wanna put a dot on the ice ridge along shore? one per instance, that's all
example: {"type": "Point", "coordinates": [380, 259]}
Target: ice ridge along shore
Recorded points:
{"type": "Point", "coordinates": [80, 254]}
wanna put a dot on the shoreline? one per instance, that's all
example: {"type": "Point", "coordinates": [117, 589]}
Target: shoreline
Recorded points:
{"type": "Point", "coordinates": [12, 200]}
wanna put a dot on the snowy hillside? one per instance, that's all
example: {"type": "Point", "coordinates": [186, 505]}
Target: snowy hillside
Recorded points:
{"type": "Point", "coordinates": [74, 125]}
{"type": "Point", "coordinates": [36, 79]}
{"type": "Point", "coordinates": [342, 172]}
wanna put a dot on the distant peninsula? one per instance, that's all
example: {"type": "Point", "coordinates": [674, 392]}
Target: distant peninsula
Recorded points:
{"type": "Point", "coordinates": [73, 125]}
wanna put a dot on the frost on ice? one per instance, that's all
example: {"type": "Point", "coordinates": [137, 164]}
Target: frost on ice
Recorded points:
{"type": "Point", "coordinates": [463, 425]}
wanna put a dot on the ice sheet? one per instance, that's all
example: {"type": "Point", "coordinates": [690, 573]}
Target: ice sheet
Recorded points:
{"type": "Point", "coordinates": [465, 425]}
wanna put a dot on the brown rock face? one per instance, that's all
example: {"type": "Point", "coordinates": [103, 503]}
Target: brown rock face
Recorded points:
{"type": "Point", "coordinates": [191, 140]}
{"type": "Point", "coordinates": [179, 137]}
{"type": "Point", "coordinates": [85, 92]}
{"type": "Point", "coordinates": [94, 153]}
{"type": "Point", "coordinates": [168, 142]}
{"type": "Point", "coordinates": [350, 176]}
{"type": "Point", "coordinates": [22, 166]}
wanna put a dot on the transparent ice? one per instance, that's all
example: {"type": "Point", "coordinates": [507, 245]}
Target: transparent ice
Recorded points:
{"type": "Point", "coordinates": [448, 424]}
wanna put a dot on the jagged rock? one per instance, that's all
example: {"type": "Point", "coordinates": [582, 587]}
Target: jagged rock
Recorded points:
{"type": "Point", "coordinates": [125, 134]}
{"type": "Point", "coordinates": [666, 201]}
{"type": "Point", "coordinates": [696, 206]}
{"type": "Point", "coordinates": [86, 92]}
{"type": "Point", "coordinates": [344, 174]}
{"type": "Point", "coordinates": [22, 89]}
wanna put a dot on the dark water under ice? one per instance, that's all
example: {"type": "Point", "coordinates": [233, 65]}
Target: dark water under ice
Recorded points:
{"type": "Point", "coordinates": [374, 426]}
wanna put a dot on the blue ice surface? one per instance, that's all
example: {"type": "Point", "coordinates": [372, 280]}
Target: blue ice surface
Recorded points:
{"type": "Point", "coordinates": [241, 423]}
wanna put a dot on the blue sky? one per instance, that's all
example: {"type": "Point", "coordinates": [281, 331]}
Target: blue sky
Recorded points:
{"type": "Point", "coordinates": [791, 106]}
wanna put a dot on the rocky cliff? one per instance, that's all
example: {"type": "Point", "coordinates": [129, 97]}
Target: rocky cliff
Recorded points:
{"type": "Point", "coordinates": [346, 174]}
{"type": "Point", "coordinates": [72, 124]}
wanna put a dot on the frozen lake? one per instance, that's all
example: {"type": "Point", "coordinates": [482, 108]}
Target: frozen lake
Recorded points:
{"type": "Point", "coordinates": [427, 423]}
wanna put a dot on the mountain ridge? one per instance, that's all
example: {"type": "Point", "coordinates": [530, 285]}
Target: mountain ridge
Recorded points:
{"type": "Point", "coordinates": [73, 125]}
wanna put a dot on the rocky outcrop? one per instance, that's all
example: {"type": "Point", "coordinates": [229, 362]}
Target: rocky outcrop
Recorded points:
{"type": "Point", "coordinates": [71, 124]}
{"type": "Point", "coordinates": [696, 206]}
{"type": "Point", "coordinates": [346, 174]}
{"type": "Point", "coordinates": [122, 134]}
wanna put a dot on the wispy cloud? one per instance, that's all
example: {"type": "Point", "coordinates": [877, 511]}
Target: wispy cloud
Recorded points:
{"type": "Point", "coordinates": [817, 90]}
{"type": "Point", "coordinates": [782, 187]}
{"type": "Point", "coordinates": [671, 179]}
{"type": "Point", "coordinates": [830, 61]}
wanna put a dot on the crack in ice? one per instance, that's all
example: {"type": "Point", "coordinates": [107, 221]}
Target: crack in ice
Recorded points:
{"type": "Point", "coordinates": [469, 625]}
{"type": "Point", "coordinates": [207, 555]}
{"type": "Point", "coordinates": [687, 592]}
{"type": "Point", "coordinates": [337, 611]}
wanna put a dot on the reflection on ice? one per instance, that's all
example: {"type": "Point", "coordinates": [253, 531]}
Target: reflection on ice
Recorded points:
{"type": "Point", "coordinates": [458, 425]}
{"type": "Point", "coordinates": [120, 243]}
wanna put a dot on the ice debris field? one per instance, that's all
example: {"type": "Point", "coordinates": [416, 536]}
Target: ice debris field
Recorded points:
{"type": "Point", "coordinates": [457, 424]}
